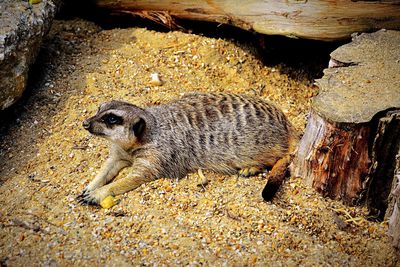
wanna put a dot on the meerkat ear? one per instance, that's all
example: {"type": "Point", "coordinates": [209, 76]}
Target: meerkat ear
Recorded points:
{"type": "Point", "coordinates": [138, 127]}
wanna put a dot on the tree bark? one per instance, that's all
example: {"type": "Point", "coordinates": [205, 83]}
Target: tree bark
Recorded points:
{"type": "Point", "coordinates": [385, 147]}
{"type": "Point", "coordinates": [333, 158]}
{"type": "Point", "coordinates": [321, 20]}
{"type": "Point", "coordinates": [393, 213]}
{"type": "Point", "coordinates": [352, 136]}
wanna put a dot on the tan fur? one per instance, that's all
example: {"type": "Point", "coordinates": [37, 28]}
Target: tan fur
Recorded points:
{"type": "Point", "coordinates": [225, 133]}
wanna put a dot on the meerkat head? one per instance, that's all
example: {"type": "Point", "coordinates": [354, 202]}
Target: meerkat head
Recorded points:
{"type": "Point", "coordinates": [119, 122]}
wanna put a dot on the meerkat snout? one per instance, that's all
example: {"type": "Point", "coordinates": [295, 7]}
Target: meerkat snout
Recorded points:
{"type": "Point", "coordinates": [119, 122]}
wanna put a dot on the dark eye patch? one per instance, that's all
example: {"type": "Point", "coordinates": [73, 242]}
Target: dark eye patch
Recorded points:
{"type": "Point", "coordinates": [111, 119]}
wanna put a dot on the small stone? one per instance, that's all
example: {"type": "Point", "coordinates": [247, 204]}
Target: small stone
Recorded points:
{"type": "Point", "coordinates": [155, 79]}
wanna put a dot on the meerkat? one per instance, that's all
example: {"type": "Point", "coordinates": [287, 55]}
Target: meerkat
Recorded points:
{"type": "Point", "coordinates": [224, 133]}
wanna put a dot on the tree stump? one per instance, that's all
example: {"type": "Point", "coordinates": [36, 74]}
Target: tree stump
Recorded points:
{"type": "Point", "coordinates": [349, 147]}
{"type": "Point", "coordinates": [321, 20]}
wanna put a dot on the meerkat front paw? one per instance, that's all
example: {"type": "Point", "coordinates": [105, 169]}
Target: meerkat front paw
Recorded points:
{"type": "Point", "coordinates": [86, 199]}
{"type": "Point", "coordinates": [94, 197]}
{"type": "Point", "coordinates": [93, 185]}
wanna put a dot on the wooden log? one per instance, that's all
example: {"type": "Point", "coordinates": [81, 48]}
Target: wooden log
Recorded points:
{"type": "Point", "coordinates": [321, 20]}
{"type": "Point", "coordinates": [349, 146]}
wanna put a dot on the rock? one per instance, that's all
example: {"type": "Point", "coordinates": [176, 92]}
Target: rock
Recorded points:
{"type": "Point", "coordinates": [22, 29]}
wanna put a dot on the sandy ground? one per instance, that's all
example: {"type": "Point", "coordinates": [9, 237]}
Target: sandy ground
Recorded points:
{"type": "Point", "coordinates": [47, 158]}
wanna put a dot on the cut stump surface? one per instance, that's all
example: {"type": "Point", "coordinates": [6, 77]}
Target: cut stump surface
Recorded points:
{"type": "Point", "coordinates": [364, 79]}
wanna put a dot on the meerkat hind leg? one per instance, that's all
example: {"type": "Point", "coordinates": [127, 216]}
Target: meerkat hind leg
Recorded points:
{"type": "Point", "coordinates": [246, 172]}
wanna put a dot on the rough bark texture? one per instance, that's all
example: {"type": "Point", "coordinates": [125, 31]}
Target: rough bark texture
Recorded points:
{"type": "Point", "coordinates": [333, 158]}
{"type": "Point", "coordinates": [351, 139]}
{"type": "Point", "coordinates": [384, 149]}
{"type": "Point", "coordinates": [21, 31]}
{"type": "Point", "coordinates": [394, 209]}
{"type": "Point", "coordinates": [322, 20]}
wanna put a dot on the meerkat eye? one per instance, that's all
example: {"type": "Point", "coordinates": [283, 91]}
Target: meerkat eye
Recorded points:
{"type": "Point", "coordinates": [111, 119]}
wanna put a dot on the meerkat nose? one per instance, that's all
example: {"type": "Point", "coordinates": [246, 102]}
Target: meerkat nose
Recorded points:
{"type": "Point", "coordinates": [86, 124]}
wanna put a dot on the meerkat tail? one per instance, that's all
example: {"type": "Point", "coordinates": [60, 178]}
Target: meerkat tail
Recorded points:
{"type": "Point", "coordinates": [276, 177]}
{"type": "Point", "coordinates": [279, 171]}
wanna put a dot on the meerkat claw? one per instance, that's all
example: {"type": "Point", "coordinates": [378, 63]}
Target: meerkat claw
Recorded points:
{"type": "Point", "coordinates": [79, 198]}
{"type": "Point", "coordinates": [85, 199]}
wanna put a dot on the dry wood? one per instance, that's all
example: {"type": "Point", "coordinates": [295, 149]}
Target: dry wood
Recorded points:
{"type": "Point", "coordinates": [333, 158]}
{"type": "Point", "coordinates": [380, 179]}
{"type": "Point", "coordinates": [322, 20]}
{"type": "Point", "coordinates": [394, 210]}
{"type": "Point", "coordinates": [351, 140]}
